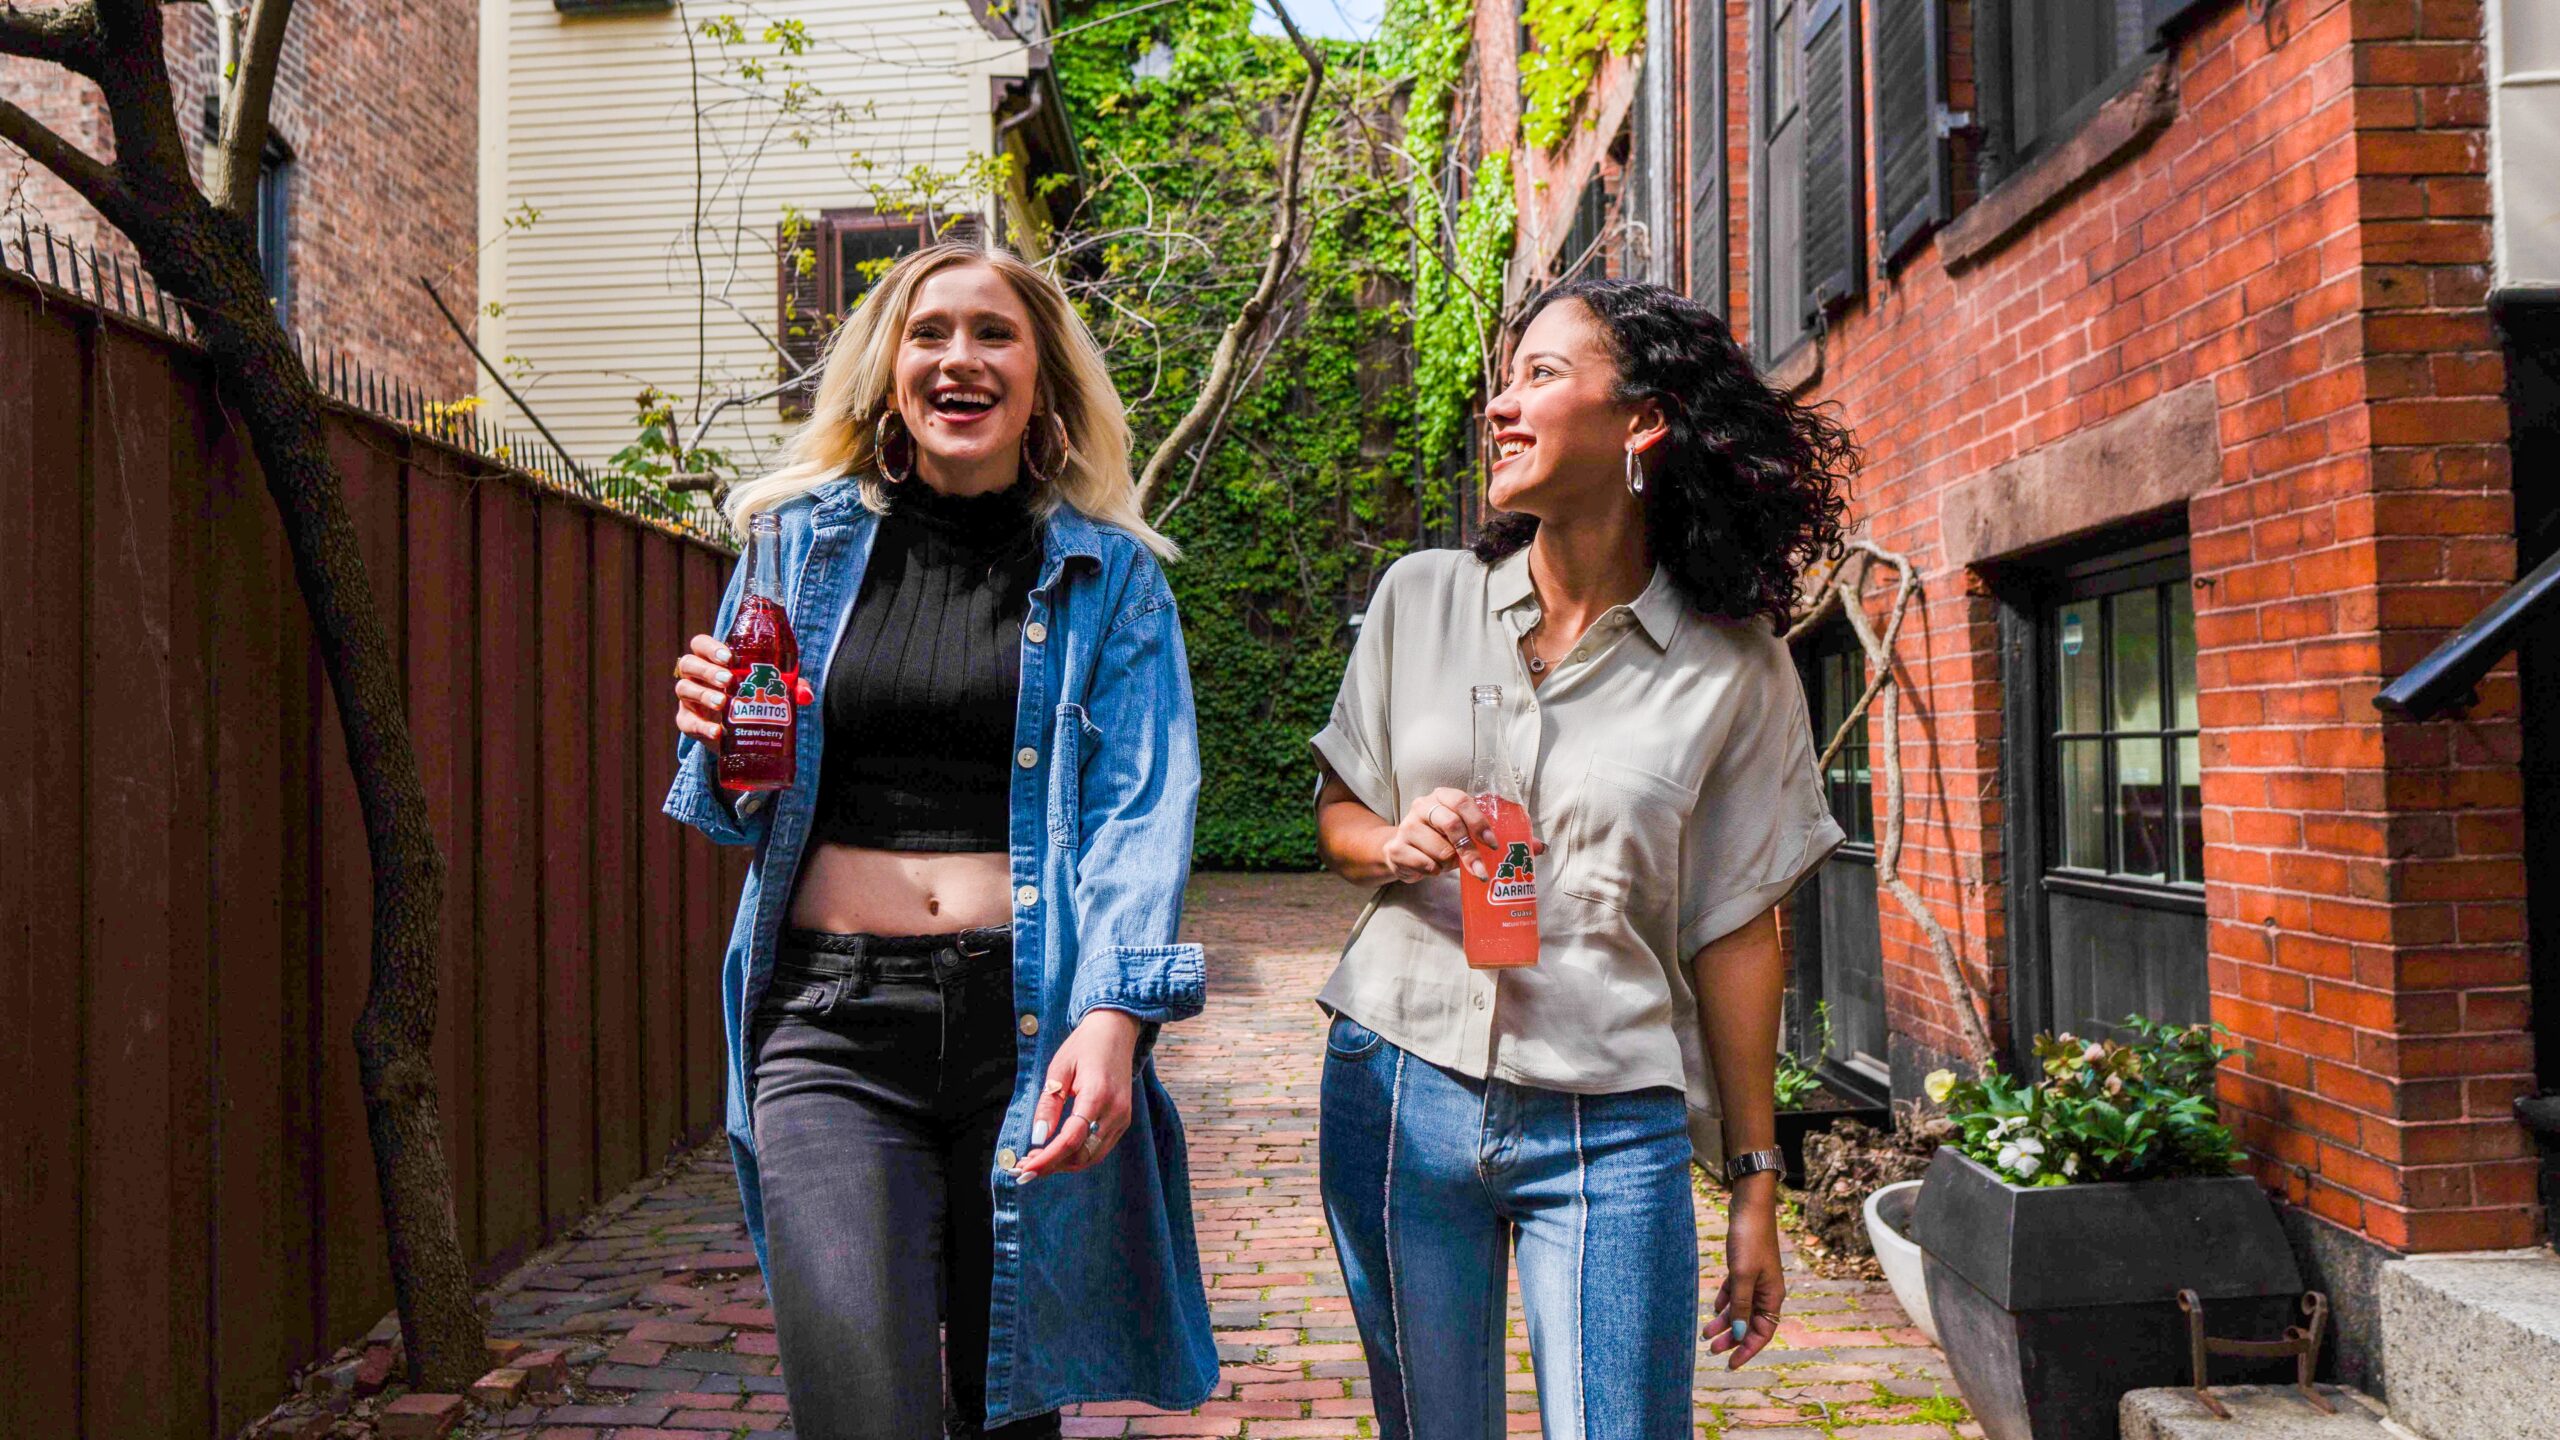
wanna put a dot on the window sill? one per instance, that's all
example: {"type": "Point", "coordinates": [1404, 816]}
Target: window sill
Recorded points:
{"type": "Point", "coordinates": [2120, 127]}
{"type": "Point", "coordinates": [1791, 373]}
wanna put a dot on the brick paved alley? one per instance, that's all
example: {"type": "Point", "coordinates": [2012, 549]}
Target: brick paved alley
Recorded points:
{"type": "Point", "coordinates": [658, 1314]}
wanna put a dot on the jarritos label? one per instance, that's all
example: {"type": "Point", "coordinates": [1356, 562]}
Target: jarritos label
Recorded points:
{"type": "Point", "coordinates": [763, 697]}
{"type": "Point", "coordinates": [1515, 880]}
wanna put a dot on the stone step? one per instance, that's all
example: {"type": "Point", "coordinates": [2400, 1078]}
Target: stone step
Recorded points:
{"type": "Point", "coordinates": [2471, 1344]}
{"type": "Point", "coordinates": [2258, 1412]}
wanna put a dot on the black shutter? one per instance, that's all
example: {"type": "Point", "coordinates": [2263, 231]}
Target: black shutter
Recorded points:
{"type": "Point", "coordinates": [1830, 156]}
{"type": "Point", "coordinates": [802, 251]}
{"type": "Point", "coordinates": [2159, 15]}
{"type": "Point", "coordinates": [1707, 239]}
{"type": "Point", "coordinates": [1911, 156]}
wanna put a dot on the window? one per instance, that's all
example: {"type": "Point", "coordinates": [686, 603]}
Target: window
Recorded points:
{"type": "Point", "coordinates": [275, 251]}
{"type": "Point", "coordinates": [827, 265]}
{"type": "Point", "coordinates": [1590, 223]}
{"type": "Point", "coordinates": [1809, 251]}
{"type": "Point", "coordinates": [1706, 218]}
{"type": "Point", "coordinates": [1840, 666]}
{"type": "Point", "coordinates": [2047, 64]}
{"type": "Point", "coordinates": [2127, 803]}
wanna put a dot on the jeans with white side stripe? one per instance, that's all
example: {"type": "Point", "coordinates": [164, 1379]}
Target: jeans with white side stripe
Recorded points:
{"type": "Point", "coordinates": [1429, 1174]}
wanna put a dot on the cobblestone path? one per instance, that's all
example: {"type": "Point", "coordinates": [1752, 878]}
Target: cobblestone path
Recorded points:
{"type": "Point", "coordinates": [663, 1320]}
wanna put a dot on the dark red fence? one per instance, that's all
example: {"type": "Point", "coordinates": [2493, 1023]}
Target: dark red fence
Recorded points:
{"type": "Point", "coordinates": [187, 1202]}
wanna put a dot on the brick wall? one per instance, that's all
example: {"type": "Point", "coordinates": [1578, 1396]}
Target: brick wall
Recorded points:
{"type": "Point", "coordinates": [379, 104]}
{"type": "Point", "coordinates": [2307, 239]}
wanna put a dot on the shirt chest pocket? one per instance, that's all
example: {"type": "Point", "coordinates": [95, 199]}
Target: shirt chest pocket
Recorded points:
{"type": "Point", "coordinates": [1071, 738]}
{"type": "Point", "coordinates": [1625, 834]}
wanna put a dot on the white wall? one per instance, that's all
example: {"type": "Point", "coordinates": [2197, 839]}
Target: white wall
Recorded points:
{"type": "Point", "coordinates": [2524, 128]}
{"type": "Point", "coordinates": [588, 121]}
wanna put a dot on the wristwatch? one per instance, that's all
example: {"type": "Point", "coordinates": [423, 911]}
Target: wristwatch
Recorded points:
{"type": "Point", "coordinates": [1752, 1162]}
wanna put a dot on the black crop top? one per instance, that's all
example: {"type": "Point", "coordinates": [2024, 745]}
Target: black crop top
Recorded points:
{"type": "Point", "coordinates": [921, 690]}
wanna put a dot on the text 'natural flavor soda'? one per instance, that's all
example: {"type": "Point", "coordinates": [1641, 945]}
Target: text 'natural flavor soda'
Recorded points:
{"type": "Point", "coordinates": [759, 747]}
{"type": "Point", "coordinates": [1500, 912]}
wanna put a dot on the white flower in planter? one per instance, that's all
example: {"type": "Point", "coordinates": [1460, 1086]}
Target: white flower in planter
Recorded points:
{"type": "Point", "coordinates": [2022, 1157]}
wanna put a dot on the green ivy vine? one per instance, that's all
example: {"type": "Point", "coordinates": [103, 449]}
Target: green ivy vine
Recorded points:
{"type": "Point", "coordinates": [1310, 491]}
{"type": "Point", "coordinates": [1568, 37]}
{"type": "Point", "coordinates": [1457, 268]}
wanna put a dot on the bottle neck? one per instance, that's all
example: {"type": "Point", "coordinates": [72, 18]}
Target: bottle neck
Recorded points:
{"type": "Point", "coordinates": [1490, 774]}
{"type": "Point", "coordinates": [764, 562]}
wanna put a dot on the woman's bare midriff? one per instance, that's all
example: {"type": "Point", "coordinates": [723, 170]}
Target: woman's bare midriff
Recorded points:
{"type": "Point", "coordinates": [851, 890]}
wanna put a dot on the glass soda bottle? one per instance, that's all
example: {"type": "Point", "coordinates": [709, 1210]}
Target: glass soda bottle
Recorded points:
{"type": "Point", "coordinates": [759, 747]}
{"type": "Point", "coordinates": [1500, 913]}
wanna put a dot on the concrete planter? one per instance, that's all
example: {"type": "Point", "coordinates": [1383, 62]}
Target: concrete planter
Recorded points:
{"type": "Point", "coordinates": [1888, 1213]}
{"type": "Point", "coordinates": [2051, 1303]}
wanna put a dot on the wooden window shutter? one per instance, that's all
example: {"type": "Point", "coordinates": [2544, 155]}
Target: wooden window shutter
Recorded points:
{"type": "Point", "coordinates": [800, 322]}
{"type": "Point", "coordinates": [1911, 154]}
{"type": "Point", "coordinates": [1831, 249]}
{"type": "Point", "coordinates": [1707, 239]}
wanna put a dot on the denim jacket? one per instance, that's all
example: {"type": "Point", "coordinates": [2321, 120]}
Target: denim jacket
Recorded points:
{"type": "Point", "coordinates": [1097, 1292]}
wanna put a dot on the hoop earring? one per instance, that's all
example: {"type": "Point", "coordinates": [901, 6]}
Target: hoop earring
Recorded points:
{"type": "Point", "coordinates": [1049, 476]}
{"type": "Point", "coordinates": [1635, 474]}
{"type": "Point", "coordinates": [880, 448]}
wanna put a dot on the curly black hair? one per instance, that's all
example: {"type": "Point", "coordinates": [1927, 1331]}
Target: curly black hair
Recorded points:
{"type": "Point", "coordinates": [1745, 493]}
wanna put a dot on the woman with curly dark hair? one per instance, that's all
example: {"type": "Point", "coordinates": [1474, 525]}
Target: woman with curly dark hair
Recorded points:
{"type": "Point", "coordinates": [1618, 628]}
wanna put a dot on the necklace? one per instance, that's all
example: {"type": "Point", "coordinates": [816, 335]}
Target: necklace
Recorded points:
{"type": "Point", "coordinates": [1529, 640]}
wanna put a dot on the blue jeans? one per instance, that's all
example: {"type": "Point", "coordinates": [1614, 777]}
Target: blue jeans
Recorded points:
{"type": "Point", "coordinates": [883, 1066]}
{"type": "Point", "coordinates": [1428, 1174]}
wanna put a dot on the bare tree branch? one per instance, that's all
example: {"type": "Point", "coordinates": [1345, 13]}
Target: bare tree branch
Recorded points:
{"type": "Point", "coordinates": [247, 95]}
{"type": "Point", "coordinates": [64, 35]}
{"type": "Point", "coordinates": [96, 181]}
{"type": "Point", "coordinates": [465, 337]}
{"type": "Point", "coordinates": [1284, 229]}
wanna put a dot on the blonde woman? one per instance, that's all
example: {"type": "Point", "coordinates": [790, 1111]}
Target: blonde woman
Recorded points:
{"type": "Point", "coordinates": [958, 939]}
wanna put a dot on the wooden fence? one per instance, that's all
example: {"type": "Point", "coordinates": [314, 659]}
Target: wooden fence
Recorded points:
{"type": "Point", "coordinates": [187, 1200]}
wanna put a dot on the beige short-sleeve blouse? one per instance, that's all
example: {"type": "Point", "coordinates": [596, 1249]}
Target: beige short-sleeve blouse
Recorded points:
{"type": "Point", "coordinates": [1667, 761]}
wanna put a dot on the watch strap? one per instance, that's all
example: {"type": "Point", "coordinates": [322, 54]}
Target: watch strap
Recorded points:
{"type": "Point", "coordinates": [1752, 1162]}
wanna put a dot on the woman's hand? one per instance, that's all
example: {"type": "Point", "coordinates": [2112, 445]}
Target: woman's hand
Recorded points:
{"type": "Point", "coordinates": [1084, 1107]}
{"type": "Point", "coordinates": [1441, 827]}
{"type": "Point", "coordinates": [1754, 1288]}
{"type": "Point", "coordinates": [702, 690]}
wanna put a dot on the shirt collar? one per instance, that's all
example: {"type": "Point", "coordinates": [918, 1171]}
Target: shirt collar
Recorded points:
{"type": "Point", "coordinates": [1657, 609]}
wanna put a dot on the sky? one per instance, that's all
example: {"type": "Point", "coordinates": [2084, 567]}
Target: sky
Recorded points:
{"type": "Point", "coordinates": [1330, 19]}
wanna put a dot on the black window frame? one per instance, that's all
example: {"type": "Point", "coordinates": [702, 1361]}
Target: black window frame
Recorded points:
{"type": "Point", "coordinates": [1840, 674]}
{"type": "Point", "coordinates": [274, 221]}
{"type": "Point", "coordinates": [2158, 569]}
{"type": "Point", "coordinates": [2003, 153]}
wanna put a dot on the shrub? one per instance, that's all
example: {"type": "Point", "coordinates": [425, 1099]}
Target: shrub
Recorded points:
{"type": "Point", "coordinates": [2134, 1108]}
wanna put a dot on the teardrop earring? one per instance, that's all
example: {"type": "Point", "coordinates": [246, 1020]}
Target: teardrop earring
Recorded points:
{"type": "Point", "coordinates": [1635, 474]}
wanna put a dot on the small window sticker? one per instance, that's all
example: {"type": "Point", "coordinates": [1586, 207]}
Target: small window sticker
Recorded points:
{"type": "Point", "coordinates": [2071, 633]}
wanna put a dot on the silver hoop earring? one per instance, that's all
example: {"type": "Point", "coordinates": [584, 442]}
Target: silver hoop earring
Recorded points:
{"type": "Point", "coordinates": [880, 448]}
{"type": "Point", "coordinates": [1051, 476]}
{"type": "Point", "coordinates": [1635, 474]}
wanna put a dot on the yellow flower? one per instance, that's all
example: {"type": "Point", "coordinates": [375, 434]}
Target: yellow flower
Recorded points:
{"type": "Point", "coordinates": [1939, 1085]}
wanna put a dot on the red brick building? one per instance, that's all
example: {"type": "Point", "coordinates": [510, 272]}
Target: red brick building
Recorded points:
{"type": "Point", "coordinates": [2167, 330]}
{"type": "Point", "coordinates": [372, 177]}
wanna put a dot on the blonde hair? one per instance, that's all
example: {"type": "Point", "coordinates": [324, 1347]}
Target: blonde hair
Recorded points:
{"type": "Point", "coordinates": [860, 373]}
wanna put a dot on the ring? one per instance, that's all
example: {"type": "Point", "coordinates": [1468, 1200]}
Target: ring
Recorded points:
{"type": "Point", "coordinates": [1466, 838]}
{"type": "Point", "coordinates": [1741, 1331]}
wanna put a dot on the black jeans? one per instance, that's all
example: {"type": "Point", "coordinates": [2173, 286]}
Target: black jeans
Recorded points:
{"type": "Point", "coordinates": [883, 1067]}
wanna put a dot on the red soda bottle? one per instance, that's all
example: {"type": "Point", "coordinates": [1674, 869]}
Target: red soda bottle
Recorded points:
{"type": "Point", "coordinates": [759, 747]}
{"type": "Point", "coordinates": [1500, 912]}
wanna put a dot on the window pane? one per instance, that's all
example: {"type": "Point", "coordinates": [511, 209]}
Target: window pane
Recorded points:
{"type": "Point", "coordinates": [2142, 806]}
{"type": "Point", "coordinates": [2190, 811]}
{"type": "Point", "coordinates": [864, 255]}
{"type": "Point", "coordinates": [2059, 52]}
{"type": "Point", "coordinates": [2182, 654]}
{"type": "Point", "coordinates": [2083, 773]}
{"type": "Point", "coordinates": [2077, 649]}
{"type": "Point", "coordinates": [2133, 643]}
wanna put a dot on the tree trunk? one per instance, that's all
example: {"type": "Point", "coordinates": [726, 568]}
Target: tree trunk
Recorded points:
{"type": "Point", "coordinates": [197, 252]}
